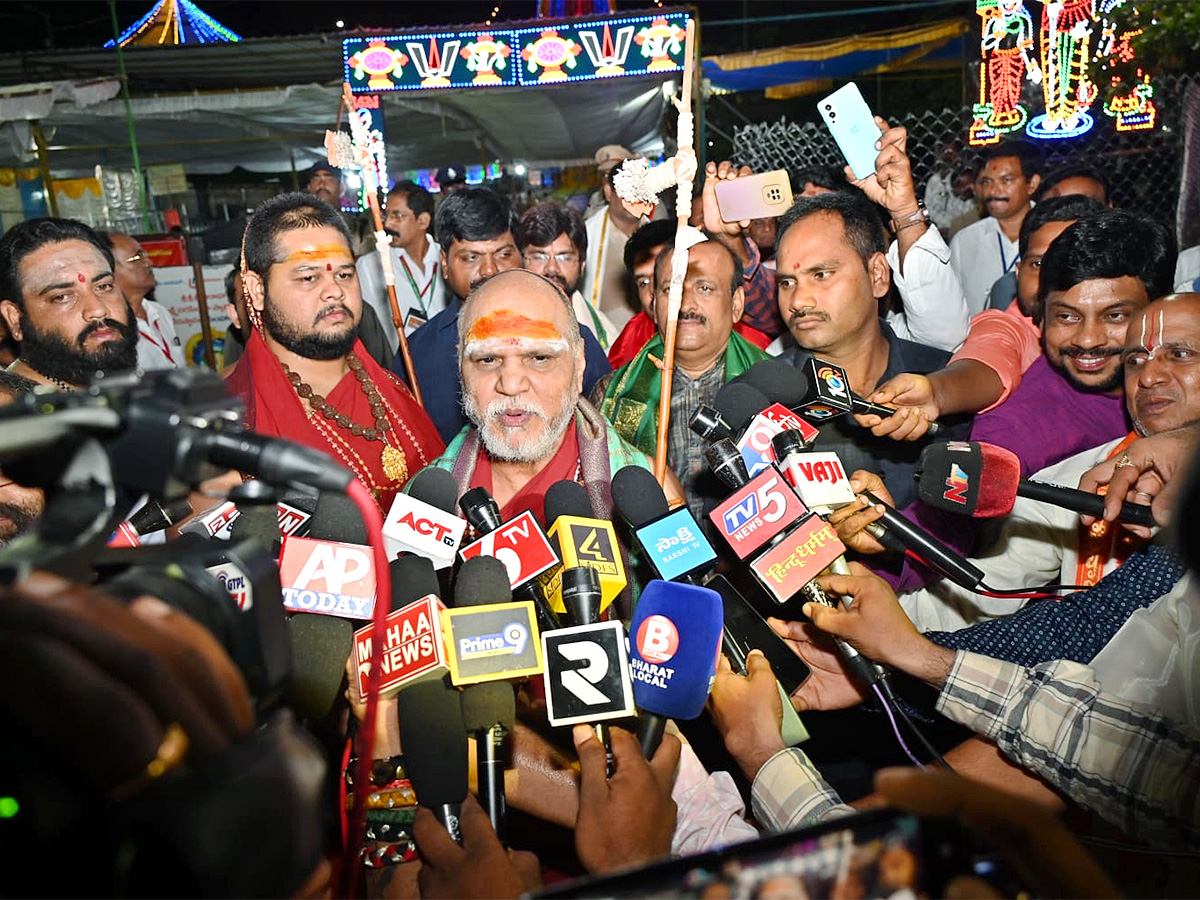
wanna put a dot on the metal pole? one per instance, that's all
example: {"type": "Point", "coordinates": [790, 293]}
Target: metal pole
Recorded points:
{"type": "Point", "coordinates": [137, 163]}
{"type": "Point", "coordinates": [39, 142]}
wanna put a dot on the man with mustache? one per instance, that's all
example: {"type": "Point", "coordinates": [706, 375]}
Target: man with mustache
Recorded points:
{"type": "Point", "coordinates": [987, 250]}
{"type": "Point", "coordinates": [61, 303]}
{"type": "Point", "coordinates": [521, 359]}
{"type": "Point", "coordinates": [708, 353]}
{"type": "Point", "coordinates": [553, 241]}
{"type": "Point", "coordinates": [305, 374]}
{"type": "Point", "coordinates": [421, 292]}
{"type": "Point", "coordinates": [476, 228]}
{"type": "Point", "coordinates": [832, 271]}
{"type": "Point", "coordinates": [158, 343]}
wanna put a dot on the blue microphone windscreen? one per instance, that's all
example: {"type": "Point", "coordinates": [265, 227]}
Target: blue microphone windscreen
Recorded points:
{"type": "Point", "coordinates": [673, 642]}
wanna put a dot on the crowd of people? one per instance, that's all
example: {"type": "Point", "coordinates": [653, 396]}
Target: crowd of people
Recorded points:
{"type": "Point", "coordinates": [536, 341]}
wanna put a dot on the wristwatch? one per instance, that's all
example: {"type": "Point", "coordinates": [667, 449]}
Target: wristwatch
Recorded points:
{"type": "Point", "coordinates": [918, 216]}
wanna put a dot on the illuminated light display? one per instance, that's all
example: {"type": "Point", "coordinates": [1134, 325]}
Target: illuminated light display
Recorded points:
{"type": "Point", "coordinates": [174, 22]}
{"type": "Point", "coordinates": [578, 50]}
{"type": "Point", "coordinates": [1071, 38]}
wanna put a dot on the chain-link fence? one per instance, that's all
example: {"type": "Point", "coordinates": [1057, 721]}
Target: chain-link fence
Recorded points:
{"type": "Point", "coordinates": [1143, 167]}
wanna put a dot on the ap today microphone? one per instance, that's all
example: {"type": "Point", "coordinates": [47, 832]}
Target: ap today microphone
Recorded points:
{"type": "Point", "coordinates": [674, 639]}
{"type": "Point", "coordinates": [984, 481]}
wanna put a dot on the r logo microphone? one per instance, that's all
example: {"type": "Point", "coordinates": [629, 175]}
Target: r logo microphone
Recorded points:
{"type": "Point", "coordinates": [797, 558]}
{"type": "Point", "coordinates": [520, 544]}
{"type": "Point", "coordinates": [587, 674]}
{"type": "Point", "coordinates": [494, 642]}
{"type": "Point", "coordinates": [327, 577]}
{"type": "Point", "coordinates": [414, 526]}
{"type": "Point", "coordinates": [756, 512]}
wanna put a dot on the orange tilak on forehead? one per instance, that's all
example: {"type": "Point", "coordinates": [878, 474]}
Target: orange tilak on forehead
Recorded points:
{"type": "Point", "coordinates": [504, 324]}
{"type": "Point", "coordinates": [323, 253]}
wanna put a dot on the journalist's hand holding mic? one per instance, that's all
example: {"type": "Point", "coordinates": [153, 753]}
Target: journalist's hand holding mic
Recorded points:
{"type": "Point", "coordinates": [917, 405]}
{"type": "Point", "coordinates": [748, 713]}
{"type": "Point", "coordinates": [830, 683]}
{"type": "Point", "coordinates": [851, 521]}
{"type": "Point", "coordinates": [627, 819]}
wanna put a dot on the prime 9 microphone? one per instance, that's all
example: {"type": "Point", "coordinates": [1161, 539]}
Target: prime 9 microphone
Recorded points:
{"type": "Point", "coordinates": [422, 520]}
{"type": "Point", "coordinates": [984, 481]}
{"type": "Point", "coordinates": [674, 639]}
{"type": "Point", "coordinates": [435, 749]}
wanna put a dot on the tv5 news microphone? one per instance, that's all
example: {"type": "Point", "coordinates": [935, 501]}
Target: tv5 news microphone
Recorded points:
{"type": "Point", "coordinates": [671, 539]}
{"type": "Point", "coordinates": [422, 520]}
{"type": "Point", "coordinates": [435, 749]}
{"type": "Point", "coordinates": [984, 481]}
{"type": "Point", "coordinates": [520, 544]}
{"type": "Point", "coordinates": [829, 396]}
{"type": "Point", "coordinates": [490, 640]}
{"type": "Point", "coordinates": [581, 540]}
{"type": "Point", "coordinates": [674, 639]}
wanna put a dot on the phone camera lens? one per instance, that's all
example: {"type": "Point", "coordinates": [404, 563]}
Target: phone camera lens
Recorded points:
{"type": "Point", "coordinates": [829, 107]}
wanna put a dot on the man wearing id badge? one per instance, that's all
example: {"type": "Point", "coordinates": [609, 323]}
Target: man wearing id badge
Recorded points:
{"type": "Point", "coordinates": [420, 288]}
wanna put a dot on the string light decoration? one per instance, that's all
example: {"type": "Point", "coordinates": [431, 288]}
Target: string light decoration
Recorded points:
{"type": "Point", "coordinates": [174, 22]}
{"type": "Point", "coordinates": [1077, 43]}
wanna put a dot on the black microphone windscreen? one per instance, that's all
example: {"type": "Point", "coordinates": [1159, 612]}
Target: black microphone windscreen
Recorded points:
{"type": "Point", "coordinates": [738, 403]}
{"type": "Point", "coordinates": [413, 577]}
{"type": "Point", "coordinates": [567, 498]}
{"type": "Point", "coordinates": [482, 580]}
{"type": "Point", "coordinates": [336, 518]}
{"type": "Point", "coordinates": [480, 510]}
{"type": "Point", "coordinates": [489, 703]}
{"type": "Point", "coordinates": [320, 645]}
{"type": "Point", "coordinates": [435, 742]}
{"type": "Point", "coordinates": [778, 381]}
{"type": "Point", "coordinates": [152, 516]}
{"type": "Point", "coordinates": [260, 522]}
{"type": "Point", "coordinates": [638, 496]}
{"type": "Point", "coordinates": [436, 487]}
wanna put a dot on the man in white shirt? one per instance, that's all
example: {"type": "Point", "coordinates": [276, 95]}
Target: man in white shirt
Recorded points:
{"type": "Point", "coordinates": [420, 289]}
{"type": "Point", "coordinates": [158, 345]}
{"type": "Point", "coordinates": [987, 250]}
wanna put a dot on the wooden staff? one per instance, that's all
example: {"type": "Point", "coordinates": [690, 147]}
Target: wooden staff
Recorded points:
{"type": "Point", "coordinates": [382, 243]}
{"type": "Point", "coordinates": [679, 259]}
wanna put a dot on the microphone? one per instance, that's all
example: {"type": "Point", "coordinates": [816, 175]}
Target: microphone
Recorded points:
{"type": "Point", "coordinates": [673, 542]}
{"type": "Point", "coordinates": [587, 676]}
{"type": "Point", "coordinates": [727, 463]}
{"type": "Point", "coordinates": [933, 551]}
{"type": "Point", "coordinates": [327, 577]}
{"type": "Point", "coordinates": [829, 396]}
{"type": "Point", "coordinates": [734, 406]}
{"type": "Point", "coordinates": [756, 442]}
{"type": "Point", "coordinates": [320, 645]}
{"type": "Point", "coordinates": [581, 541]}
{"type": "Point", "coordinates": [520, 544]}
{"type": "Point", "coordinates": [336, 518]}
{"type": "Point", "coordinates": [422, 520]}
{"type": "Point", "coordinates": [675, 636]}
{"type": "Point", "coordinates": [435, 749]}
{"type": "Point", "coordinates": [147, 519]}
{"type": "Point", "coordinates": [984, 481]}
{"type": "Point", "coordinates": [761, 508]}
{"type": "Point", "coordinates": [818, 478]}
{"type": "Point", "coordinates": [413, 649]}
{"type": "Point", "coordinates": [489, 707]}
{"type": "Point", "coordinates": [778, 381]}
{"type": "Point", "coordinates": [274, 460]}
{"type": "Point", "coordinates": [260, 522]}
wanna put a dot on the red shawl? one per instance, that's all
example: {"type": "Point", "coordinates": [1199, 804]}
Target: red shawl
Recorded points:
{"type": "Point", "coordinates": [563, 466]}
{"type": "Point", "coordinates": [273, 408]}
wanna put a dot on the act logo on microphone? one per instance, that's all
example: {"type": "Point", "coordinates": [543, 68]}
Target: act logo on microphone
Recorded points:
{"type": "Point", "coordinates": [520, 544]}
{"type": "Point", "coordinates": [675, 545]}
{"type": "Point", "coordinates": [412, 647]}
{"type": "Point", "coordinates": [327, 577]}
{"type": "Point", "coordinates": [493, 642]}
{"type": "Point", "coordinates": [957, 485]}
{"type": "Point", "coordinates": [797, 558]}
{"type": "Point", "coordinates": [757, 511]}
{"type": "Point", "coordinates": [587, 674]}
{"type": "Point", "coordinates": [414, 526]}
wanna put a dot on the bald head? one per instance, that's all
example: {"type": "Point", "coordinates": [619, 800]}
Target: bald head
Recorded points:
{"type": "Point", "coordinates": [515, 304]}
{"type": "Point", "coordinates": [1162, 364]}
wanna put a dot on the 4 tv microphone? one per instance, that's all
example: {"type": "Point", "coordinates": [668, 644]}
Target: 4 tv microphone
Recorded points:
{"type": "Point", "coordinates": [674, 639]}
{"type": "Point", "coordinates": [984, 481]}
{"type": "Point", "coordinates": [581, 540]}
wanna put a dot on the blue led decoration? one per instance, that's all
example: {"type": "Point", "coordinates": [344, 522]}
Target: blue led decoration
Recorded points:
{"type": "Point", "coordinates": [1039, 127]}
{"type": "Point", "coordinates": [545, 53]}
{"type": "Point", "coordinates": [175, 22]}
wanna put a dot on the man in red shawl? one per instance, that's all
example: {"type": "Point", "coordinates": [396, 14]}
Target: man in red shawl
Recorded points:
{"type": "Point", "coordinates": [304, 374]}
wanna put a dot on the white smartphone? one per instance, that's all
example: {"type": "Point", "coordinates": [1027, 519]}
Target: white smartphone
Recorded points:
{"type": "Point", "coordinates": [852, 125]}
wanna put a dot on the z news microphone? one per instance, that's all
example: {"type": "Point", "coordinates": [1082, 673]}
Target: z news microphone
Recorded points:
{"type": "Point", "coordinates": [829, 396]}
{"type": "Point", "coordinates": [435, 749]}
{"type": "Point", "coordinates": [674, 639]}
{"type": "Point", "coordinates": [422, 520]}
{"type": "Point", "coordinates": [984, 481]}
{"type": "Point", "coordinates": [671, 539]}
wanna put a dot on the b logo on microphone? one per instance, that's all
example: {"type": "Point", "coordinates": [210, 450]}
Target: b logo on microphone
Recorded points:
{"type": "Point", "coordinates": [657, 639]}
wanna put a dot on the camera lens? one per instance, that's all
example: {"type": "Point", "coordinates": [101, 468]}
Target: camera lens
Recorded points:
{"type": "Point", "coordinates": [829, 107]}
